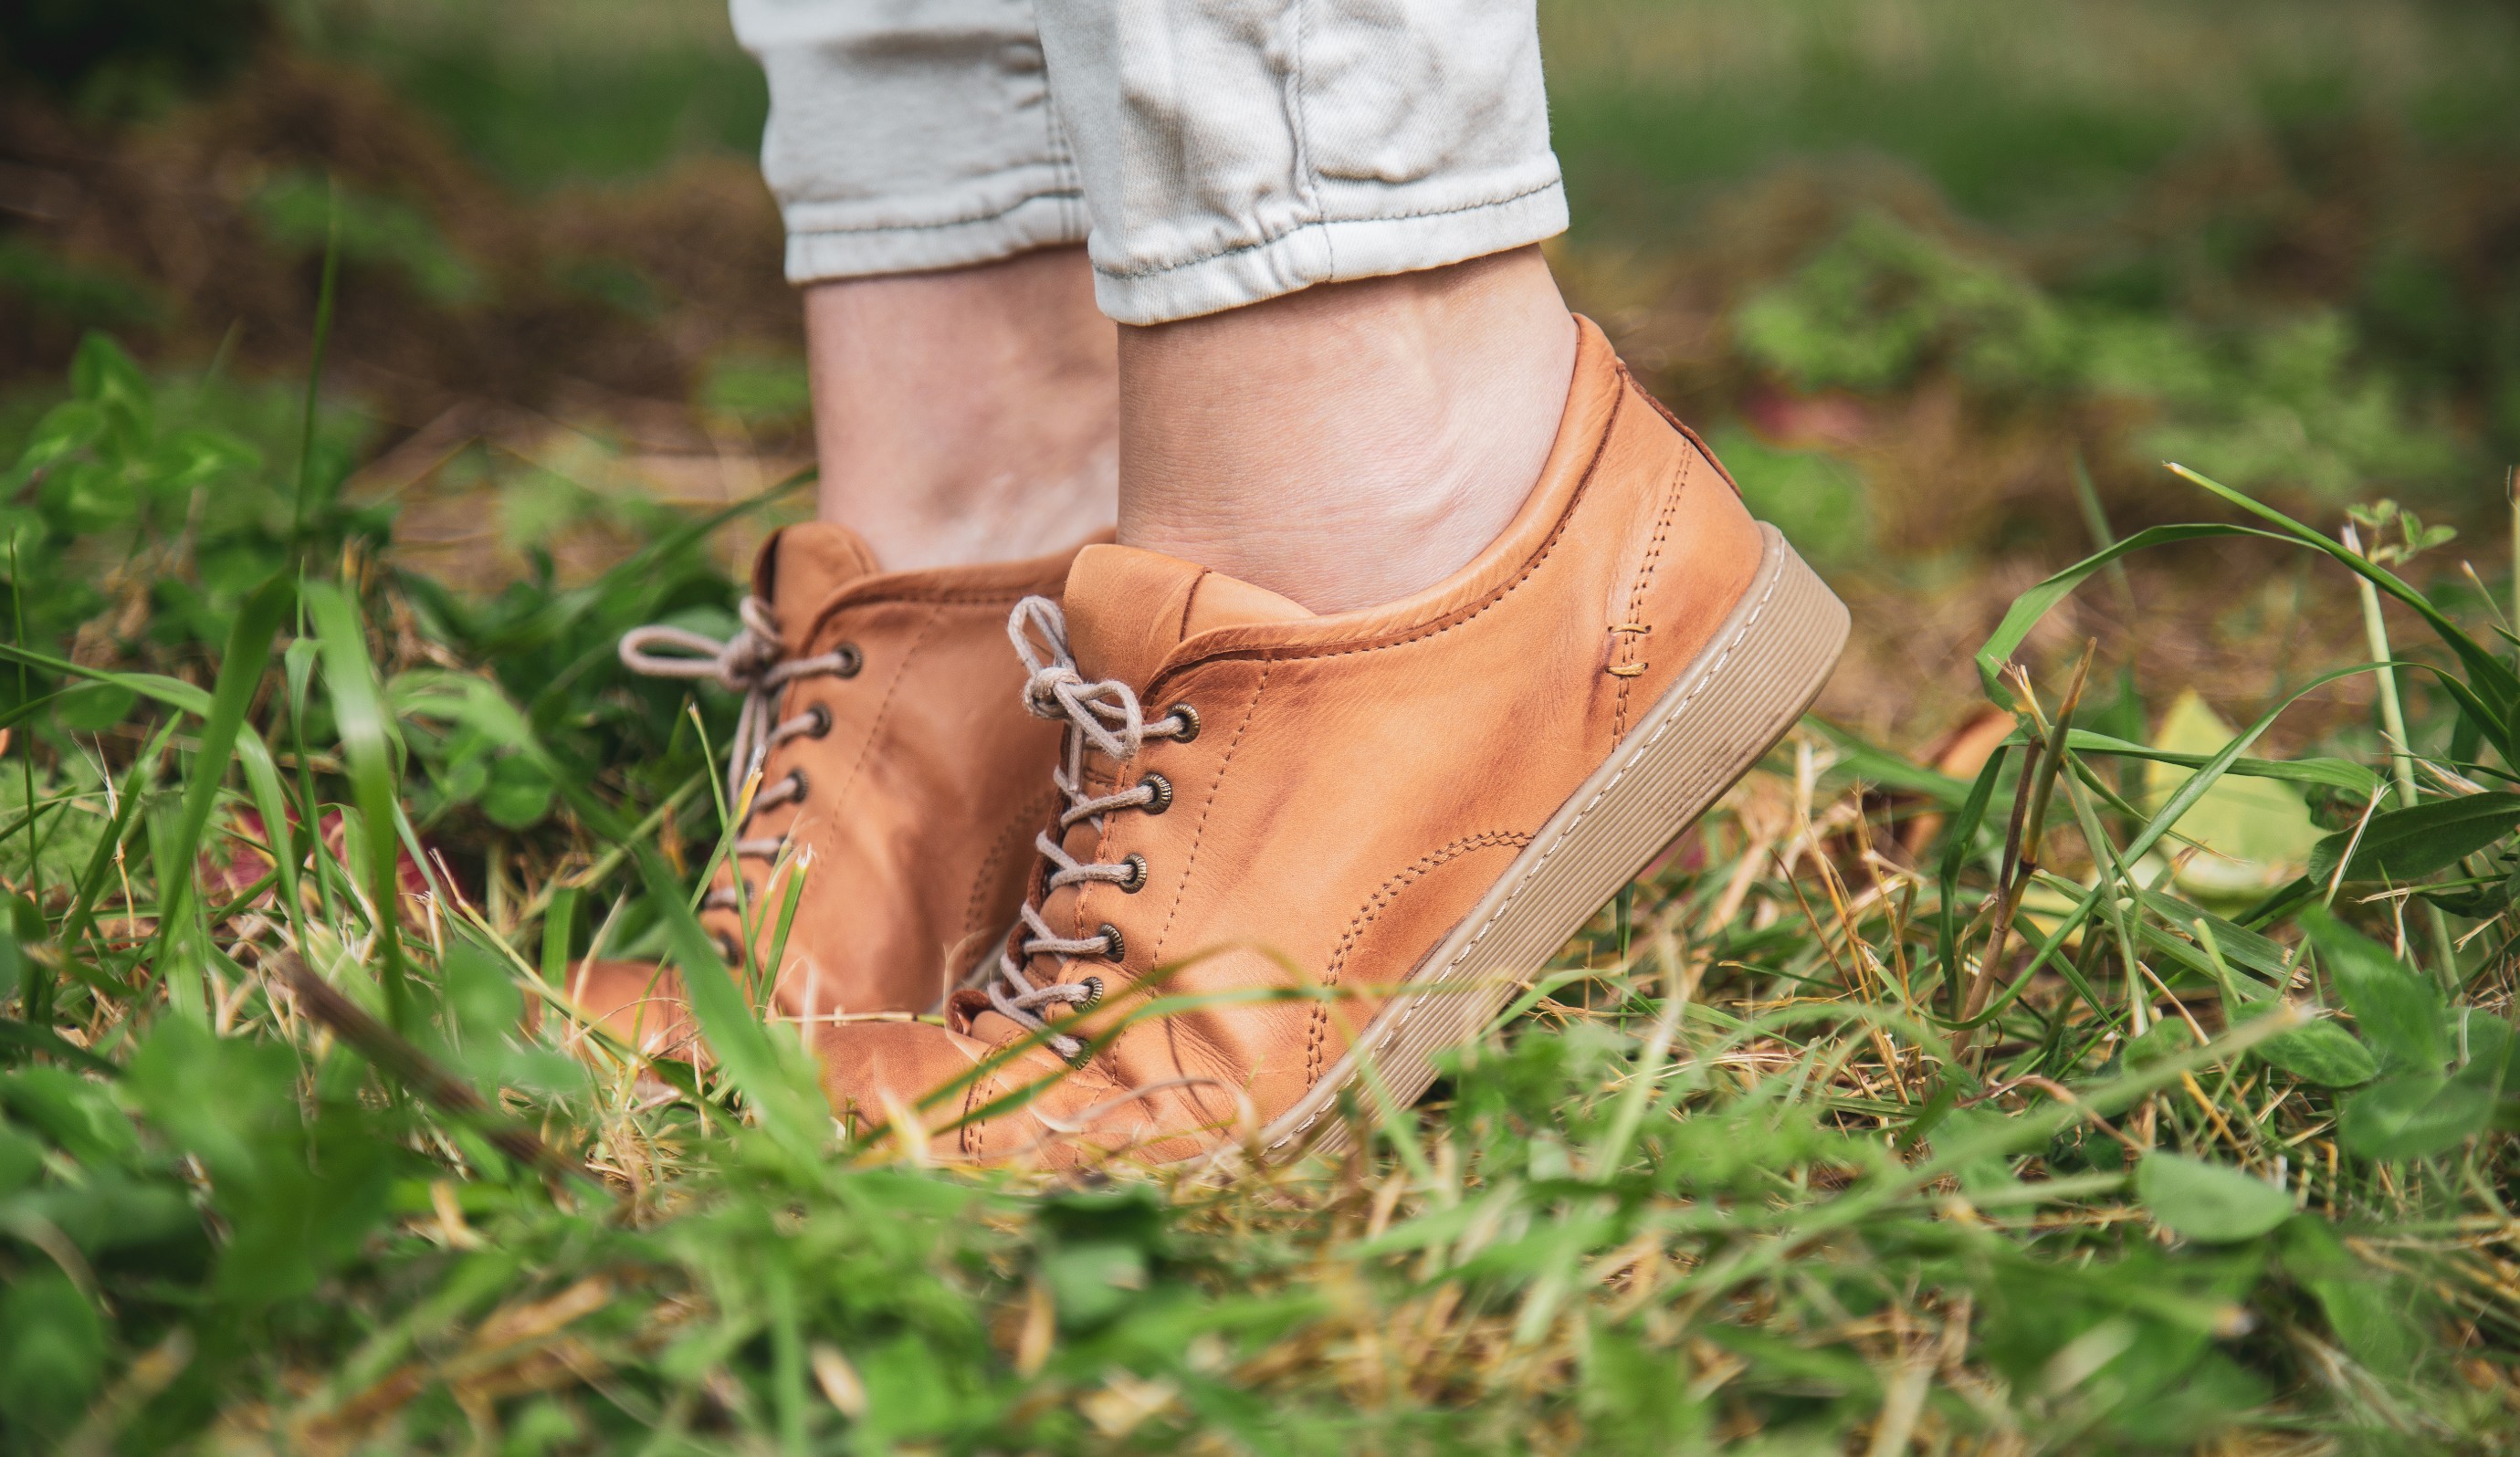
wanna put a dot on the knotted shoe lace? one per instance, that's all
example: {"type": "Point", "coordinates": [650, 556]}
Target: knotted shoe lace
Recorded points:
{"type": "Point", "coordinates": [1102, 717]}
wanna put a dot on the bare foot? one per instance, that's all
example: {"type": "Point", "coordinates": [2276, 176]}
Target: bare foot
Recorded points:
{"type": "Point", "coordinates": [968, 414]}
{"type": "Point", "coordinates": [1352, 443]}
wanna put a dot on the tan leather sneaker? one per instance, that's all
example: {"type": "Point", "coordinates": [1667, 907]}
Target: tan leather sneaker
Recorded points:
{"type": "Point", "coordinates": [1412, 805]}
{"type": "Point", "coordinates": [899, 773]}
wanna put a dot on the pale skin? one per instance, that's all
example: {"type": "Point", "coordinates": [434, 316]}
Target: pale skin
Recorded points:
{"type": "Point", "coordinates": [1344, 446]}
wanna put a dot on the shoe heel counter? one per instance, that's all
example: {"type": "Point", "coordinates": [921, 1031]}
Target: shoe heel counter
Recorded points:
{"type": "Point", "coordinates": [1690, 562]}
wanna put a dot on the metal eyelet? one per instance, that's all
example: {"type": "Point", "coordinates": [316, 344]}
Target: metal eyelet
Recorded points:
{"type": "Point", "coordinates": [1115, 949]}
{"type": "Point", "coordinates": [1162, 789]}
{"type": "Point", "coordinates": [730, 948]}
{"type": "Point", "coordinates": [797, 777]}
{"type": "Point", "coordinates": [1137, 880]}
{"type": "Point", "coordinates": [1188, 716]}
{"type": "Point", "coordinates": [1093, 993]}
{"type": "Point", "coordinates": [822, 721]}
{"type": "Point", "coordinates": [850, 660]}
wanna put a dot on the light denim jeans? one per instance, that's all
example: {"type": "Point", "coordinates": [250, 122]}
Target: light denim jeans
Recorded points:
{"type": "Point", "coordinates": [1208, 152]}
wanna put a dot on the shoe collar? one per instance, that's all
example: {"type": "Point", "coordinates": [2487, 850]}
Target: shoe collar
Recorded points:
{"type": "Point", "coordinates": [1142, 616]}
{"type": "Point", "coordinates": [812, 569]}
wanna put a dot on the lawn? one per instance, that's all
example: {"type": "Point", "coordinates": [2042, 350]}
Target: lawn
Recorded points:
{"type": "Point", "coordinates": [2091, 1031]}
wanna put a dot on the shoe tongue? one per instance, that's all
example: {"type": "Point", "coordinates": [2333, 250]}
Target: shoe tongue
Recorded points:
{"type": "Point", "coordinates": [800, 567]}
{"type": "Point", "coordinates": [1128, 609]}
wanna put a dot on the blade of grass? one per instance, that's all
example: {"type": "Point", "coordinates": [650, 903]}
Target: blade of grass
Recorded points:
{"type": "Point", "coordinates": [91, 882]}
{"type": "Point", "coordinates": [2180, 802]}
{"type": "Point", "coordinates": [26, 761]}
{"type": "Point", "coordinates": [2031, 606]}
{"type": "Point", "coordinates": [359, 718]}
{"type": "Point", "coordinates": [240, 678]}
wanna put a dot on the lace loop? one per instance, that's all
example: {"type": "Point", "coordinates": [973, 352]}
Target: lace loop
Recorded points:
{"type": "Point", "coordinates": [1104, 715]}
{"type": "Point", "coordinates": [756, 663]}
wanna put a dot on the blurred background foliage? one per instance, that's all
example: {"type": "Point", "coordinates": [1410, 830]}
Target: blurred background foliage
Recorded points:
{"type": "Point", "coordinates": [1928, 252]}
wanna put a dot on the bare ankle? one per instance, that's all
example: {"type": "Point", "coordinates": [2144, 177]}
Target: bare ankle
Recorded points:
{"type": "Point", "coordinates": [1350, 444]}
{"type": "Point", "coordinates": [968, 414]}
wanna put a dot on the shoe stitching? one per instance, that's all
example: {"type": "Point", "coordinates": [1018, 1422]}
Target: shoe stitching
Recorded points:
{"type": "Point", "coordinates": [1199, 833]}
{"type": "Point", "coordinates": [1465, 615]}
{"type": "Point", "coordinates": [972, 1134]}
{"type": "Point", "coordinates": [943, 597]}
{"type": "Point", "coordinates": [1380, 900]}
{"type": "Point", "coordinates": [883, 708]}
{"type": "Point", "coordinates": [1621, 642]}
{"type": "Point", "coordinates": [1497, 918]}
{"type": "Point", "coordinates": [1013, 837]}
{"type": "Point", "coordinates": [1683, 426]}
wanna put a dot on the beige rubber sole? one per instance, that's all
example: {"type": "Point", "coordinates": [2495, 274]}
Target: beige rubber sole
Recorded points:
{"type": "Point", "coordinates": [1749, 686]}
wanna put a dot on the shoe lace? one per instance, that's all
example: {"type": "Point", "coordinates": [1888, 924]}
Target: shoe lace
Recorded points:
{"type": "Point", "coordinates": [756, 663]}
{"type": "Point", "coordinates": [1102, 715]}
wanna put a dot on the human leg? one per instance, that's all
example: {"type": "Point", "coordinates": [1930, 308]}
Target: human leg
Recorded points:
{"type": "Point", "coordinates": [1341, 360]}
{"type": "Point", "coordinates": [963, 382]}
{"type": "Point", "coordinates": [1351, 443]}
{"type": "Point", "coordinates": [968, 414]}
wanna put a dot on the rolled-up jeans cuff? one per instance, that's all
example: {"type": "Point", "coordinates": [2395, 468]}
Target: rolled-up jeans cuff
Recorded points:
{"type": "Point", "coordinates": [826, 243]}
{"type": "Point", "coordinates": [1331, 250]}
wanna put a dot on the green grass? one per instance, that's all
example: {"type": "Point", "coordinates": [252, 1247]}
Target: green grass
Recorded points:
{"type": "Point", "coordinates": [1798, 1148]}
{"type": "Point", "coordinates": [1901, 1110]}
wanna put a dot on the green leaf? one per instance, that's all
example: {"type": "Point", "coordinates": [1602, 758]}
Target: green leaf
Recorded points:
{"type": "Point", "coordinates": [2401, 845]}
{"type": "Point", "coordinates": [87, 497]}
{"type": "Point", "coordinates": [104, 374]}
{"type": "Point", "coordinates": [518, 795]}
{"type": "Point", "coordinates": [2414, 1115]}
{"type": "Point", "coordinates": [2492, 1049]}
{"type": "Point", "coordinates": [68, 428]}
{"type": "Point", "coordinates": [77, 1114]}
{"type": "Point", "coordinates": [2256, 834]}
{"type": "Point", "coordinates": [2154, 829]}
{"type": "Point", "coordinates": [34, 1038]}
{"type": "Point", "coordinates": [2210, 1202]}
{"type": "Point", "coordinates": [2323, 1054]}
{"type": "Point", "coordinates": [52, 1351]}
{"type": "Point", "coordinates": [480, 991]}
{"type": "Point", "coordinates": [2365, 1305]}
{"type": "Point", "coordinates": [2398, 1011]}
{"type": "Point", "coordinates": [93, 707]}
{"type": "Point", "coordinates": [22, 1159]}
{"type": "Point", "coordinates": [240, 675]}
